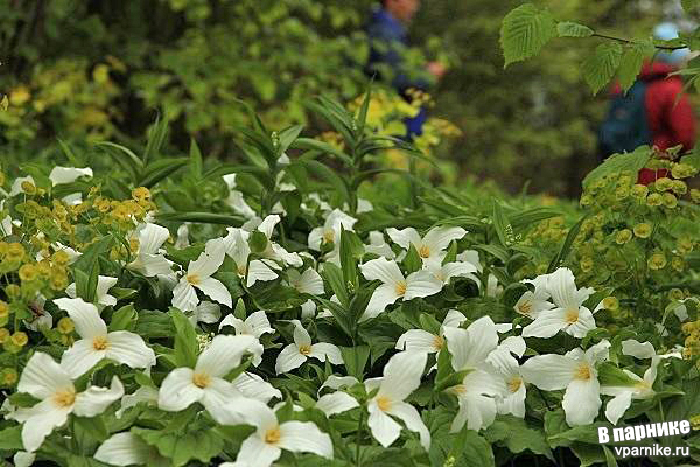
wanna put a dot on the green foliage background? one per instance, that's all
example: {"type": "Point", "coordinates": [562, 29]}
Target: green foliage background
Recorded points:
{"type": "Point", "coordinates": [102, 69]}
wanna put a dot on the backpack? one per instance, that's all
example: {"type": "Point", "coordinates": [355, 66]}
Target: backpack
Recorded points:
{"type": "Point", "coordinates": [626, 126]}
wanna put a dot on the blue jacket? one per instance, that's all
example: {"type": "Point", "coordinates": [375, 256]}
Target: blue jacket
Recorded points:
{"type": "Point", "coordinates": [387, 41]}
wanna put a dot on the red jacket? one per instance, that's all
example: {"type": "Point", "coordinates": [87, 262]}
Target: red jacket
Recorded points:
{"type": "Point", "coordinates": [670, 118]}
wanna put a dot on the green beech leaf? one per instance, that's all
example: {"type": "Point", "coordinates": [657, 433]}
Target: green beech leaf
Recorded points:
{"type": "Point", "coordinates": [600, 67]}
{"type": "Point", "coordinates": [524, 31]}
{"type": "Point", "coordinates": [631, 62]}
{"type": "Point", "coordinates": [571, 29]}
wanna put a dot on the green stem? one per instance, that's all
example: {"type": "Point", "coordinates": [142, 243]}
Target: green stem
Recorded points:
{"type": "Point", "coordinates": [359, 438]}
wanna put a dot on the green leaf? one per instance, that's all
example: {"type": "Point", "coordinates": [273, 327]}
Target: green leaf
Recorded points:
{"type": "Point", "coordinates": [287, 137]}
{"type": "Point", "coordinates": [609, 457]}
{"type": "Point", "coordinates": [87, 268]}
{"type": "Point", "coordinates": [123, 318]}
{"type": "Point", "coordinates": [322, 146]}
{"type": "Point", "coordinates": [429, 323]}
{"type": "Point", "coordinates": [472, 449]}
{"type": "Point", "coordinates": [232, 283]}
{"type": "Point", "coordinates": [156, 137]}
{"type": "Point", "coordinates": [202, 217]}
{"type": "Point", "coordinates": [11, 439]}
{"type": "Point", "coordinates": [334, 276]}
{"type": "Point", "coordinates": [196, 166]}
{"type": "Point", "coordinates": [327, 174]}
{"type": "Point", "coordinates": [560, 257]}
{"type": "Point", "coordinates": [355, 359]}
{"type": "Point", "coordinates": [631, 62]}
{"type": "Point", "coordinates": [610, 375]}
{"type": "Point", "coordinates": [258, 242]}
{"type": "Point", "coordinates": [412, 262]}
{"type": "Point", "coordinates": [525, 30]}
{"type": "Point", "coordinates": [512, 293]}
{"type": "Point", "coordinates": [160, 170]}
{"type": "Point", "coordinates": [617, 163]}
{"type": "Point", "coordinates": [361, 117]}
{"type": "Point", "coordinates": [23, 399]}
{"type": "Point", "coordinates": [571, 29]}
{"type": "Point", "coordinates": [185, 340]}
{"type": "Point", "coordinates": [500, 221]}
{"type": "Point", "coordinates": [517, 436]}
{"type": "Point", "coordinates": [182, 447]}
{"type": "Point", "coordinates": [89, 433]}
{"type": "Point", "coordinates": [600, 67]}
{"type": "Point", "coordinates": [122, 156]}
{"type": "Point", "coordinates": [351, 251]}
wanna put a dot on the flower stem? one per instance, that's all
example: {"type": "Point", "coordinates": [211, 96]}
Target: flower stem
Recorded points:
{"type": "Point", "coordinates": [359, 438]}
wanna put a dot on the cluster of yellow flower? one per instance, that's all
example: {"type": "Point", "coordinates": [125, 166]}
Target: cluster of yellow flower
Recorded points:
{"type": "Point", "coordinates": [692, 341]}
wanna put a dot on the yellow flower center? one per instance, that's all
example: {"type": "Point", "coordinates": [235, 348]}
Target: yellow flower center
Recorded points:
{"type": "Point", "coordinates": [642, 385]}
{"type": "Point", "coordinates": [65, 398]}
{"type": "Point", "coordinates": [401, 287]}
{"type": "Point", "coordinates": [458, 389]}
{"type": "Point", "coordinates": [424, 251]}
{"type": "Point", "coordinates": [305, 349]}
{"type": "Point", "coordinates": [201, 380]}
{"type": "Point", "coordinates": [99, 343]}
{"type": "Point", "coordinates": [273, 435]}
{"type": "Point", "coordinates": [438, 342]}
{"type": "Point", "coordinates": [515, 383]}
{"type": "Point", "coordinates": [193, 279]}
{"type": "Point", "coordinates": [571, 315]}
{"type": "Point", "coordinates": [242, 270]}
{"type": "Point", "coordinates": [525, 308]}
{"type": "Point", "coordinates": [384, 403]}
{"type": "Point", "coordinates": [328, 236]}
{"type": "Point", "coordinates": [583, 372]}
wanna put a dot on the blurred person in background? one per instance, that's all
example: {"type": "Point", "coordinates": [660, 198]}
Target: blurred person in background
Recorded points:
{"type": "Point", "coordinates": [387, 32]}
{"type": "Point", "coordinates": [654, 112]}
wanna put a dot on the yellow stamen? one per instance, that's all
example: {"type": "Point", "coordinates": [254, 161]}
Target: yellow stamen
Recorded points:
{"type": "Point", "coordinates": [99, 343]}
{"type": "Point", "coordinates": [401, 287]}
{"type": "Point", "coordinates": [438, 342]}
{"type": "Point", "coordinates": [193, 279]}
{"type": "Point", "coordinates": [273, 435]}
{"type": "Point", "coordinates": [572, 315]}
{"type": "Point", "coordinates": [515, 383]}
{"type": "Point", "coordinates": [583, 372]}
{"type": "Point", "coordinates": [384, 403]}
{"type": "Point", "coordinates": [201, 380]}
{"type": "Point", "coordinates": [525, 308]}
{"type": "Point", "coordinates": [65, 398]}
{"type": "Point", "coordinates": [424, 251]}
{"type": "Point", "coordinates": [305, 349]}
{"type": "Point", "coordinates": [328, 236]}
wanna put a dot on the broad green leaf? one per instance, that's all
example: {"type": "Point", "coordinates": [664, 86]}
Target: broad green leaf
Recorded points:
{"type": "Point", "coordinates": [334, 276]}
{"type": "Point", "coordinates": [287, 137]}
{"type": "Point", "coordinates": [157, 135]}
{"type": "Point", "coordinates": [571, 29]}
{"type": "Point", "coordinates": [524, 31]}
{"type": "Point", "coordinates": [123, 318]}
{"type": "Point", "coordinates": [412, 262]}
{"type": "Point", "coordinates": [617, 163]}
{"type": "Point", "coordinates": [202, 217]}
{"type": "Point", "coordinates": [631, 62]}
{"type": "Point", "coordinates": [196, 166]}
{"type": "Point", "coordinates": [258, 242]}
{"type": "Point", "coordinates": [185, 339]}
{"type": "Point", "coordinates": [518, 436]}
{"type": "Point", "coordinates": [185, 446]}
{"type": "Point", "coordinates": [123, 156]}
{"type": "Point", "coordinates": [472, 449]}
{"type": "Point", "coordinates": [160, 170]}
{"type": "Point", "coordinates": [610, 375]}
{"type": "Point", "coordinates": [89, 433]}
{"type": "Point", "coordinates": [355, 359]}
{"type": "Point", "coordinates": [87, 268]}
{"type": "Point", "coordinates": [11, 439]}
{"type": "Point", "coordinates": [500, 223]}
{"type": "Point", "coordinates": [322, 146]}
{"type": "Point", "coordinates": [609, 457]}
{"type": "Point", "coordinates": [600, 67]}
{"type": "Point", "coordinates": [361, 117]}
{"type": "Point", "coordinates": [351, 251]}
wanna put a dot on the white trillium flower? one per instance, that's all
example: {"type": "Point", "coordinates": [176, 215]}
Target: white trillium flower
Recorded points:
{"type": "Point", "coordinates": [378, 245]}
{"type": "Point", "coordinates": [420, 340]}
{"type": "Point", "coordinates": [445, 272]}
{"type": "Point", "coordinates": [308, 282]}
{"type": "Point", "coordinates": [274, 251]}
{"type": "Point", "coordinates": [482, 387]}
{"type": "Point", "coordinates": [205, 383]}
{"type": "Point", "coordinates": [574, 372]}
{"type": "Point", "coordinates": [337, 382]}
{"type": "Point", "coordinates": [395, 286]}
{"type": "Point", "coordinates": [569, 313]}
{"type": "Point", "coordinates": [183, 236]}
{"type": "Point", "coordinates": [125, 449]}
{"type": "Point", "coordinates": [402, 375]}
{"type": "Point", "coordinates": [149, 260]}
{"type": "Point", "coordinates": [48, 381]}
{"type": "Point", "coordinates": [294, 355]}
{"type": "Point", "coordinates": [254, 325]}
{"type": "Point", "coordinates": [238, 249]}
{"type": "Point", "coordinates": [330, 233]}
{"type": "Point", "coordinates": [104, 283]}
{"type": "Point", "coordinates": [198, 276]}
{"type": "Point", "coordinates": [265, 445]}
{"type": "Point", "coordinates": [61, 175]}
{"type": "Point", "coordinates": [502, 360]}
{"type": "Point", "coordinates": [236, 200]}
{"type": "Point", "coordinates": [23, 459]}
{"type": "Point", "coordinates": [206, 312]}
{"type": "Point", "coordinates": [431, 247]}
{"type": "Point", "coordinates": [96, 343]}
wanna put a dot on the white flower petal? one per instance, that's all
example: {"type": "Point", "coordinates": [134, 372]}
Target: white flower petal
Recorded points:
{"type": "Point", "coordinates": [421, 284]}
{"type": "Point", "coordinates": [61, 175]}
{"type": "Point", "coordinates": [208, 312]}
{"type": "Point", "coordinates": [411, 418]}
{"type": "Point", "coordinates": [638, 349]}
{"type": "Point", "coordinates": [23, 459]}
{"type": "Point", "coordinates": [289, 359]}
{"type": "Point", "coordinates": [254, 387]}
{"type": "Point", "coordinates": [383, 296]}
{"type": "Point", "coordinates": [94, 400]}
{"type": "Point", "coordinates": [418, 340]}
{"type": "Point", "coordinates": [469, 347]}
{"type": "Point", "coordinates": [582, 402]}
{"type": "Point", "coordinates": [305, 437]}
{"type": "Point", "coordinates": [384, 270]}
{"type": "Point", "coordinates": [336, 402]}
{"type": "Point", "coordinates": [84, 315]}
{"type": "Point", "coordinates": [43, 377]}
{"type": "Point", "coordinates": [215, 290]}
{"type": "Point", "coordinates": [439, 238]}
{"type": "Point", "coordinates": [45, 417]}
{"type": "Point", "coordinates": [223, 354]}
{"type": "Point", "coordinates": [384, 428]}
{"type": "Point", "coordinates": [547, 324]}
{"type": "Point", "coordinates": [124, 449]}
{"type": "Point", "coordinates": [617, 406]}
{"type": "Point", "coordinates": [185, 296]}
{"type": "Point", "coordinates": [259, 271]}
{"type": "Point", "coordinates": [80, 357]}
{"type": "Point", "coordinates": [454, 319]}
{"type": "Point", "coordinates": [404, 238]}
{"type": "Point", "coordinates": [178, 390]}
{"type": "Point", "coordinates": [130, 349]}
{"type": "Point", "coordinates": [256, 452]}
{"type": "Point", "coordinates": [402, 374]}
{"type": "Point", "coordinates": [322, 349]}
{"type": "Point", "coordinates": [259, 323]}
{"type": "Point", "coordinates": [549, 372]}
